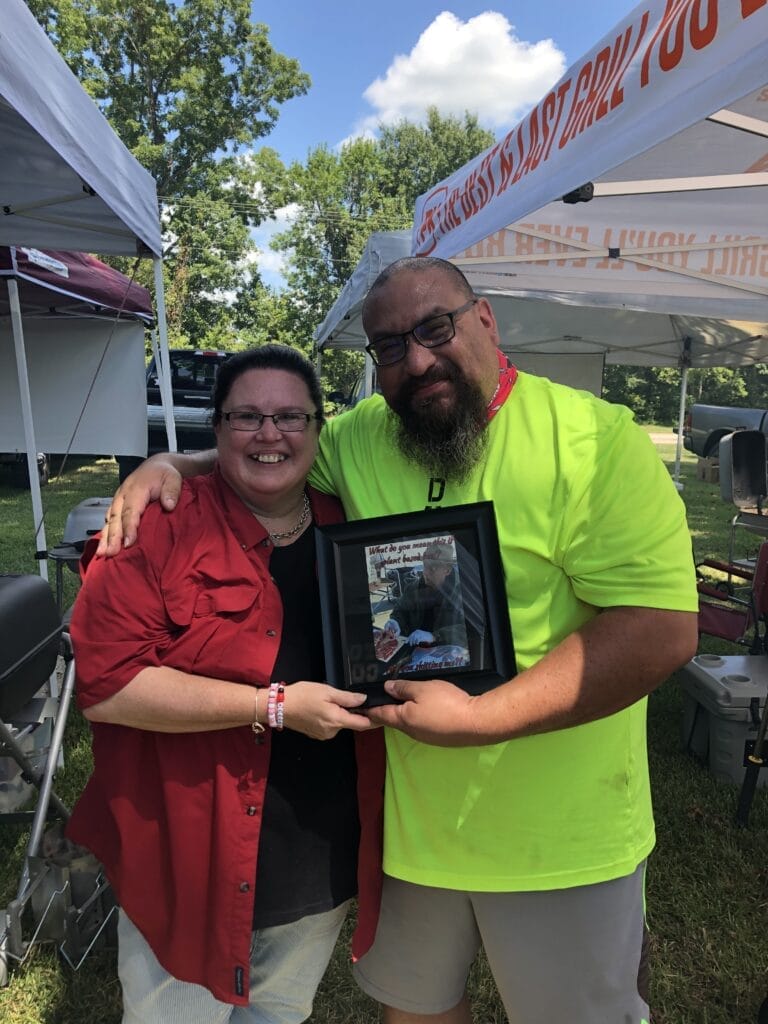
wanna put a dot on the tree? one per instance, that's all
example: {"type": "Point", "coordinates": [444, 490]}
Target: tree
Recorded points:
{"type": "Point", "coordinates": [189, 88]}
{"type": "Point", "coordinates": [718, 385]}
{"type": "Point", "coordinates": [418, 157]}
{"type": "Point", "coordinates": [651, 392]}
{"type": "Point", "coordinates": [371, 185]}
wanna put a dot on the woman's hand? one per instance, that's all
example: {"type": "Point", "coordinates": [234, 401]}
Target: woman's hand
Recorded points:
{"type": "Point", "coordinates": [320, 711]}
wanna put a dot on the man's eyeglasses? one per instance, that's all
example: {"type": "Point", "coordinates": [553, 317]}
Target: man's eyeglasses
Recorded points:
{"type": "Point", "coordinates": [286, 422]}
{"type": "Point", "coordinates": [430, 333]}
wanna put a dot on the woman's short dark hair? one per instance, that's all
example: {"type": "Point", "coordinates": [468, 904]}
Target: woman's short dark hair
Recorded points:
{"type": "Point", "coordinates": [266, 357]}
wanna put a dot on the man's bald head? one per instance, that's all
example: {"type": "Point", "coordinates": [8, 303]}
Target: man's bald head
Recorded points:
{"type": "Point", "coordinates": [415, 265]}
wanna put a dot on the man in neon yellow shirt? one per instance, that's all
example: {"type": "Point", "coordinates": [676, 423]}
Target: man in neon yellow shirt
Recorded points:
{"type": "Point", "coordinates": [519, 819]}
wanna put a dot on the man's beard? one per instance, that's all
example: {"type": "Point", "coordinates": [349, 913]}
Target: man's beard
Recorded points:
{"type": "Point", "coordinates": [446, 440]}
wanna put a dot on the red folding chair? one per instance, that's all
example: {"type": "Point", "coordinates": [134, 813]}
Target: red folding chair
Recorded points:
{"type": "Point", "coordinates": [740, 620]}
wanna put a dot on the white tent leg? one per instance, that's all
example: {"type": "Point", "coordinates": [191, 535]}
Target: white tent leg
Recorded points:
{"type": "Point", "coordinates": [159, 357]}
{"type": "Point", "coordinates": [166, 392]}
{"type": "Point", "coordinates": [680, 420]}
{"type": "Point", "coordinates": [29, 431]}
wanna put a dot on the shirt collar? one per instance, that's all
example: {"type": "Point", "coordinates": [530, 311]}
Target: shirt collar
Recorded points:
{"type": "Point", "coordinates": [245, 526]}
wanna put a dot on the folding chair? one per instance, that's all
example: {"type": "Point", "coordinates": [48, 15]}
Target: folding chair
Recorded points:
{"type": "Point", "coordinates": [740, 620]}
{"type": "Point", "coordinates": [83, 522]}
{"type": "Point", "coordinates": [32, 638]}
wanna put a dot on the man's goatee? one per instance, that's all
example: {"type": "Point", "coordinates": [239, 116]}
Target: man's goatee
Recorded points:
{"type": "Point", "coordinates": [448, 442]}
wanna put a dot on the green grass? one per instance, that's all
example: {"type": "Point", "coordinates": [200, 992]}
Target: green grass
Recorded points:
{"type": "Point", "coordinates": [707, 880]}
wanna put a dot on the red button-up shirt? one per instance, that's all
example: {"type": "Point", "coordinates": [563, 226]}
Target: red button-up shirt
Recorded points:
{"type": "Point", "coordinates": [175, 817]}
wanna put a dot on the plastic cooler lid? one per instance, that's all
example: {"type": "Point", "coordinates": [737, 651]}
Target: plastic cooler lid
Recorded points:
{"type": "Point", "coordinates": [85, 519]}
{"type": "Point", "coordinates": [730, 681]}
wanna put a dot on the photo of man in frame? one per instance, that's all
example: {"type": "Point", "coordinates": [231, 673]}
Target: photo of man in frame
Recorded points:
{"type": "Point", "coordinates": [424, 626]}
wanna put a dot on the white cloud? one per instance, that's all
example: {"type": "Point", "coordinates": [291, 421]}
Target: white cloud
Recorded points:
{"type": "Point", "coordinates": [477, 65]}
{"type": "Point", "coordinates": [361, 133]}
{"type": "Point", "coordinates": [269, 262]}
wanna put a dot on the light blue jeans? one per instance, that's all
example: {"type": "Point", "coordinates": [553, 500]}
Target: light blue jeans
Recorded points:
{"type": "Point", "coordinates": [287, 964]}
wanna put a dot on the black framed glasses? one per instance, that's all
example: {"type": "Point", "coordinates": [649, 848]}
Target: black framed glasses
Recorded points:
{"type": "Point", "coordinates": [286, 422]}
{"type": "Point", "coordinates": [437, 330]}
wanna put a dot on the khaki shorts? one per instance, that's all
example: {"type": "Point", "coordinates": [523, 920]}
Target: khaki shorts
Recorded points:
{"type": "Point", "coordinates": [287, 963]}
{"type": "Point", "coordinates": [570, 955]}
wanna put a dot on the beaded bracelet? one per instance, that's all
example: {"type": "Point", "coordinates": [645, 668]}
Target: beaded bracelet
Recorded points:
{"type": "Point", "coordinates": [275, 699]}
{"type": "Point", "coordinates": [256, 727]}
{"type": "Point", "coordinates": [280, 705]}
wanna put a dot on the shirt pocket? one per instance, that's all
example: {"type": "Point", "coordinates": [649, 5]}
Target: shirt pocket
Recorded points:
{"type": "Point", "coordinates": [214, 624]}
{"type": "Point", "coordinates": [188, 604]}
{"type": "Point", "coordinates": [225, 601]}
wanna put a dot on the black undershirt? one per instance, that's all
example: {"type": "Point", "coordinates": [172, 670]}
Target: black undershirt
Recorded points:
{"type": "Point", "coordinates": [307, 859]}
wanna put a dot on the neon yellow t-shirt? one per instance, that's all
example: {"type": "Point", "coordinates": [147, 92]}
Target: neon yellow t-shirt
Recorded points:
{"type": "Point", "coordinates": [588, 518]}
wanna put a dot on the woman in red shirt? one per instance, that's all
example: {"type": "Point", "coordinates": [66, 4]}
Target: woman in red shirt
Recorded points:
{"type": "Point", "coordinates": [223, 798]}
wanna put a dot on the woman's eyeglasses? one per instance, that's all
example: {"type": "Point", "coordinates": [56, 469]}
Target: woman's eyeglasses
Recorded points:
{"type": "Point", "coordinates": [286, 422]}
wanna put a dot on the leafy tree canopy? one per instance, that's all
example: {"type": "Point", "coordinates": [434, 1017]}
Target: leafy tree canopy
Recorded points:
{"type": "Point", "coordinates": [189, 87]}
{"type": "Point", "coordinates": [342, 197]}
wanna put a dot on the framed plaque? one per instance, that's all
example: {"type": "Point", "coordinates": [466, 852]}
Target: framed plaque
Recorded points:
{"type": "Point", "coordinates": [415, 596]}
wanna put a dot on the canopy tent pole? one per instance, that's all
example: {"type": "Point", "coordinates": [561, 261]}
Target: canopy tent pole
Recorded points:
{"type": "Point", "coordinates": [160, 366]}
{"type": "Point", "coordinates": [685, 363]}
{"type": "Point", "coordinates": [165, 363]}
{"type": "Point", "coordinates": [680, 421]}
{"type": "Point", "coordinates": [29, 431]}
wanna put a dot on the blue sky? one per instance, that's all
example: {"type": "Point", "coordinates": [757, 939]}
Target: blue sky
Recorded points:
{"type": "Point", "coordinates": [374, 62]}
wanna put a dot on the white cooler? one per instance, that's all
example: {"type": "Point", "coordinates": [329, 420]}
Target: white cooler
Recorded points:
{"type": "Point", "coordinates": [721, 695]}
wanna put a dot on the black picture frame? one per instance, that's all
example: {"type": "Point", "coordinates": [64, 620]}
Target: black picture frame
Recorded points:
{"type": "Point", "coordinates": [370, 568]}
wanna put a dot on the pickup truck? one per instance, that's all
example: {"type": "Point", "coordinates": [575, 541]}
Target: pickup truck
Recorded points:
{"type": "Point", "coordinates": [706, 425]}
{"type": "Point", "coordinates": [192, 377]}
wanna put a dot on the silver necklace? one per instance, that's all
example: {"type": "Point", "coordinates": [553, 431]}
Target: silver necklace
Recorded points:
{"type": "Point", "coordinates": [295, 529]}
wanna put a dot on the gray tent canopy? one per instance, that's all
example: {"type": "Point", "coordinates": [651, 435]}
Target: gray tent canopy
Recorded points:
{"type": "Point", "coordinates": [67, 182]}
{"type": "Point", "coordinates": [66, 179]}
{"type": "Point", "coordinates": [567, 331]}
{"type": "Point", "coordinates": [554, 319]}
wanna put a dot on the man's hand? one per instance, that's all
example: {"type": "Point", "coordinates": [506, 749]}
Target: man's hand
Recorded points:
{"type": "Point", "coordinates": [613, 661]}
{"type": "Point", "coordinates": [434, 711]}
{"type": "Point", "coordinates": [156, 479]}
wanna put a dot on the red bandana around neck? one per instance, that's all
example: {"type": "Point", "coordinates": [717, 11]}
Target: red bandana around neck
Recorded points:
{"type": "Point", "coordinates": [507, 378]}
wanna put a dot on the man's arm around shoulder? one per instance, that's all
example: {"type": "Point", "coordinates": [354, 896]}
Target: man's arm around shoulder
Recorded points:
{"type": "Point", "coordinates": [156, 479]}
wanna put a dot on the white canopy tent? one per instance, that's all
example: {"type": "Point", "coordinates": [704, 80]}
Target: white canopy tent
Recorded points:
{"type": "Point", "coordinates": [645, 167]}
{"type": "Point", "coordinates": [665, 124]}
{"type": "Point", "coordinates": [66, 182]}
{"type": "Point", "coordinates": [568, 335]}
